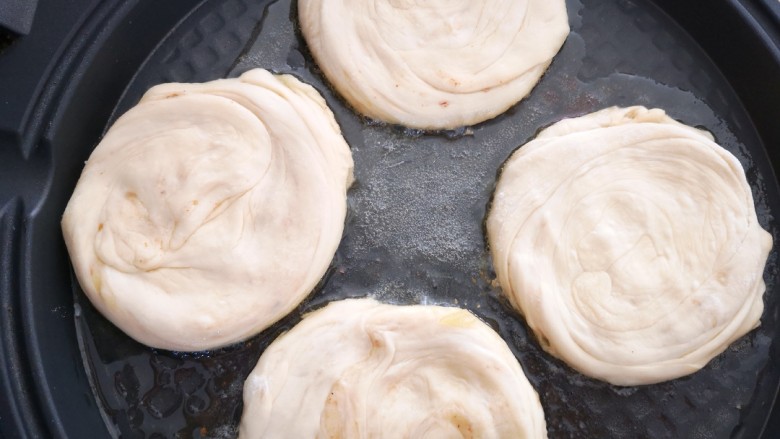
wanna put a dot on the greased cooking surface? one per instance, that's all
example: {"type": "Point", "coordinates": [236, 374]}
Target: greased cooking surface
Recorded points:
{"type": "Point", "coordinates": [414, 231]}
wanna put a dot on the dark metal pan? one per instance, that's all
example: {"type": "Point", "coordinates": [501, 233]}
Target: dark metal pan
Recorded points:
{"type": "Point", "coordinates": [414, 232]}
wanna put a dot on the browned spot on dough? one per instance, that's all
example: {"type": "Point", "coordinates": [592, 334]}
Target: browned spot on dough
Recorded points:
{"type": "Point", "coordinates": [544, 342]}
{"type": "Point", "coordinates": [131, 195]}
{"type": "Point", "coordinates": [464, 426]}
{"type": "Point", "coordinates": [96, 280]}
{"type": "Point", "coordinates": [330, 420]}
{"type": "Point", "coordinates": [100, 227]}
{"type": "Point", "coordinates": [195, 202]}
{"type": "Point", "coordinates": [172, 95]}
{"type": "Point", "coordinates": [444, 103]}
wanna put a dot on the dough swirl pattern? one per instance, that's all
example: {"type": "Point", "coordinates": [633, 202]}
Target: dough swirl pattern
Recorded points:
{"type": "Point", "coordinates": [438, 64]}
{"type": "Point", "coordinates": [361, 369]}
{"type": "Point", "coordinates": [630, 243]}
{"type": "Point", "coordinates": [209, 211]}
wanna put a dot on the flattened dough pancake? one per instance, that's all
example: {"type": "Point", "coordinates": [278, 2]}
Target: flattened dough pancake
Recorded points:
{"type": "Point", "coordinates": [630, 243]}
{"type": "Point", "coordinates": [209, 211]}
{"type": "Point", "coordinates": [437, 64]}
{"type": "Point", "coordinates": [361, 369]}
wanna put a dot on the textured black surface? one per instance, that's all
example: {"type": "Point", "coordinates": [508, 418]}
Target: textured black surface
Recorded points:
{"type": "Point", "coordinates": [17, 15]}
{"type": "Point", "coordinates": [773, 7]}
{"type": "Point", "coordinates": [6, 38]}
{"type": "Point", "coordinates": [414, 233]}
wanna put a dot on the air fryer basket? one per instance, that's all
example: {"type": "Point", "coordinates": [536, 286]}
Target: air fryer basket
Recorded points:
{"type": "Point", "coordinates": [414, 231]}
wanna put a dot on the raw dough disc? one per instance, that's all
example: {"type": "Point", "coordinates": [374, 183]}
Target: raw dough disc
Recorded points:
{"type": "Point", "coordinates": [209, 211]}
{"type": "Point", "coordinates": [361, 369]}
{"type": "Point", "coordinates": [630, 243]}
{"type": "Point", "coordinates": [438, 64]}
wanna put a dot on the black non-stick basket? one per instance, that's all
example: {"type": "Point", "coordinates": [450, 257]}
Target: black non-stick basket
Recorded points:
{"type": "Point", "coordinates": [414, 232]}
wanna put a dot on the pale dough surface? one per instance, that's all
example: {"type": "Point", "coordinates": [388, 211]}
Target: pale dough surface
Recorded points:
{"type": "Point", "coordinates": [630, 243]}
{"type": "Point", "coordinates": [437, 64]}
{"type": "Point", "coordinates": [361, 369]}
{"type": "Point", "coordinates": [209, 211]}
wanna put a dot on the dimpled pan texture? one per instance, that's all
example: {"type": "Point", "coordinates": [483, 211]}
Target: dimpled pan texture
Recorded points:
{"type": "Point", "coordinates": [415, 233]}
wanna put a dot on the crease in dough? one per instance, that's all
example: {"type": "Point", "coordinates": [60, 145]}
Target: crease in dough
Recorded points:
{"type": "Point", "coordinates": [209, 211]}
{"type": "Point", "coordinates": [630, 244]}
{"type": "Point", "coordinates": [360, 369]}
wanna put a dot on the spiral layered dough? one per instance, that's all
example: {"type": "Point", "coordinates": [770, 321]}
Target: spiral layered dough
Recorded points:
{"type": "Point", "coordinates": [209, 211]}
{"type": "Point", "coordinates": [361, 369]}
{"type": "Point", "coordinates": [437, 64]}
{"type": "Point", "coordinates": [630, 243]}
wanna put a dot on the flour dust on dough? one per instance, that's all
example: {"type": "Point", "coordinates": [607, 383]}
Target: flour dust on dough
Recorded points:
{"type": "Point", "coordinates": [209, 211]}
{"type": "Point", "coordinates": [630, 244]}
{"type": "Point", "coordinates": [439, 64]}
{"type": "Point", "coordinates": [361, 369]}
